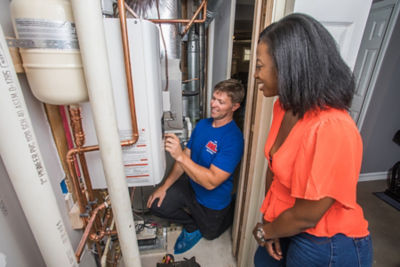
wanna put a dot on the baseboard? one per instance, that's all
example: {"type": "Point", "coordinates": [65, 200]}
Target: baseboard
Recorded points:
{"type": "Point", "coordinates": [372, 176]}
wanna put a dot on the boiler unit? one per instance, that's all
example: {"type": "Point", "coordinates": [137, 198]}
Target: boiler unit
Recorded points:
{"type": "Point", "coordinates": [144, 161]}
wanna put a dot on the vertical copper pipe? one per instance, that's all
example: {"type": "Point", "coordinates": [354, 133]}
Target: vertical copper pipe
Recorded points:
{"type": "Point", "coordinates": [79, 138]}
{"type": "Point", "coordinates": [128, 68]}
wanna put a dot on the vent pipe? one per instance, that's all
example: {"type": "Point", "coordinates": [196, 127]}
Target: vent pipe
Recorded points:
{"type": "Point", "coordinates": [24, 163]}
{"type": "Point", "coordinates": [90, 28]}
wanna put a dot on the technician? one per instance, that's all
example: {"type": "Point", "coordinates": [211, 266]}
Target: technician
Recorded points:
{"type": "Point", "coordinates": [197, 193]}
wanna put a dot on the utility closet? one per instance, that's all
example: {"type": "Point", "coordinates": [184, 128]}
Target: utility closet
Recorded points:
{"type": "Point", "coordinates": [88, 90]}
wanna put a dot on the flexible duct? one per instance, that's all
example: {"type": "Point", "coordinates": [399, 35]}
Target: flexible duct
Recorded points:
{"type": "Point", "coordinates": [91, 37]}
{"type": "Point", "coordinates": [25, 166]}
{"type": "Point", "coordinates": [169, 9]}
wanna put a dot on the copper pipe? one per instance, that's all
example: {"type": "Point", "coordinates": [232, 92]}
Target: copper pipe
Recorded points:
{"type": "Point", "coordinates": [79, 138]}
{"type": "Point", "coordinates": [98, 235]}
{"type": "Point", "coordinates": [202, 5]}
{"type": "Point", "coordinates": [135, 134]}
{"type": "Point", "coordinates": [88, 228]}
{"type": "Point", "coordinates": [76, 124]}
{"type": "Point", "coordinates": [192, 20]}
{"type": "Point", "coordinates": [81, 199]}
{"type": "Point", "coordinates": [190, 80]}
{"type": "Point", "coordinates": [128, 70]}
{"type": "Point", "coordinates": [176, 20]}
{"type": "Point", "coordinates": [117, 255]}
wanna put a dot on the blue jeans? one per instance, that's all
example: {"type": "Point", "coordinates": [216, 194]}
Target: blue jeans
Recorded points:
{"type": "Point", "coordinates": [309, 250]}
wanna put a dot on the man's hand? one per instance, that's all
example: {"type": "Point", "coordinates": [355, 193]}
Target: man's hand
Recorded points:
{"type": "Point", "coordinates": [160, 194]}
{"type": "Point", "coordinates": [173, 146]}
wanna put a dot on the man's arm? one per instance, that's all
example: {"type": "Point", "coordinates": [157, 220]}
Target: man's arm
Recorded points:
{"type": "Point", "coordinates": [208, 178]}
{"type": "Point", "coordinates": [175, 172]}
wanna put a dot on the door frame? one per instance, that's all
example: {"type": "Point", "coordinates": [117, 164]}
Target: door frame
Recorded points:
{"type": "Point", "coordinates": [258, 118]}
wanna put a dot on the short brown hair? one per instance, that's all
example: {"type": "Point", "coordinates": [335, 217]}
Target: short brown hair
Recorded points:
{"type": "Point", "coordinates": [233, 88]}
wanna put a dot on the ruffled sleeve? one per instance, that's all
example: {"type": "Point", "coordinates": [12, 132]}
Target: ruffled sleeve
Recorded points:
{"type": "Point", "coordinates": [329, 162]}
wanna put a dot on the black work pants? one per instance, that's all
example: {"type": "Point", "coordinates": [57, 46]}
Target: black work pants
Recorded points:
{"type": "Point", "coordinates": [180, 206]}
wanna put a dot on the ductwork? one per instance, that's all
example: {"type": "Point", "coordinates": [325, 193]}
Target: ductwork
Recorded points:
{"type": "Point", "coordinates": [192, 88]}
{"type": "Point", "coordinates": [212, 10]}
{"type": "Point", "coordinates": [168, 9]}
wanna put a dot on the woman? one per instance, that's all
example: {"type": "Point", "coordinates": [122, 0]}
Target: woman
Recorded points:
{"type": "Point", "coordinates": [314, 152]}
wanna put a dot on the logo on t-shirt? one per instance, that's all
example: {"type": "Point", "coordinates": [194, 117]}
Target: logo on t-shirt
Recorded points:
{"type": "Point", "coordinates": [212, 147]}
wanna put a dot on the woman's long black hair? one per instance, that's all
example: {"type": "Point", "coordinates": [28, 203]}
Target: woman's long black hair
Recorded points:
{"type": "Point", "coordinates": [311, 72]}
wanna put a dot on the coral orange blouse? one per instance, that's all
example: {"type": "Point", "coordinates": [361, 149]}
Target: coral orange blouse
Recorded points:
{"type": "Point", "coordinates": [321, 157]}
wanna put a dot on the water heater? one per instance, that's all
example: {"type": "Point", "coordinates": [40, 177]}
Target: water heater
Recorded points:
{"type": "Point", "coordinates": [144, 161]}
{"type": "Point", "coordinates": [49, 49]}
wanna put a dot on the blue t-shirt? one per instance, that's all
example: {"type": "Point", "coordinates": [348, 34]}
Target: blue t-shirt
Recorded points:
{"type": "Point", "coordinates": [222, 147]}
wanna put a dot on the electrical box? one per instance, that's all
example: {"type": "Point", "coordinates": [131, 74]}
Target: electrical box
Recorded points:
{"type": "Point", "coordinates": [144, 161]}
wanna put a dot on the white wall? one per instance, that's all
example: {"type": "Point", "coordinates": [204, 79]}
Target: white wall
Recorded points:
{"type": "Point", "coordinates": [222, 39]}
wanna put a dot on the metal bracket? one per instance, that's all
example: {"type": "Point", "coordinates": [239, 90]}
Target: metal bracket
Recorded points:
{"type": "Point", "coordinates": [44, 44]}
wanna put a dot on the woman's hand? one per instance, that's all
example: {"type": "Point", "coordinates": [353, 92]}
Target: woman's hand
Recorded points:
{"type": "Point", "coordinates": [274, 249]}
{"type": "Point", "coordinates": [272, 246]}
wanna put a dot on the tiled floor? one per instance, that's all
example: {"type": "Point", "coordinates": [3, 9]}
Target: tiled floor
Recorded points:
{"type": "Point", "coordinates": [217, 252]}
{"type": "Point", "coordinates": [384, 225]}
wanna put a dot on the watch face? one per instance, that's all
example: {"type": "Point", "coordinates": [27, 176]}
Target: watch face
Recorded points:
{"type": "Point", "coordinates": [260, 234]}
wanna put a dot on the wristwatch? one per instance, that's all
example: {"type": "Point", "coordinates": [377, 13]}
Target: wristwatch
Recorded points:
{"type": "Point", "coordinates": [261, 234]}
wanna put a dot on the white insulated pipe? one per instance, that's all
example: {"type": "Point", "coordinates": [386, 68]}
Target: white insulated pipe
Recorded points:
{"type": "Point", "coordinates": [90, 29]}
{"type": "Point", "coordinates": [24, 163]}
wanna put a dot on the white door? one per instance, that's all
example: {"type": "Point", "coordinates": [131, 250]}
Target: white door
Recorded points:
{"type": "Point", "coordinates": [344, 19]}
{"type": "Point", "coordinates": [370, 50]}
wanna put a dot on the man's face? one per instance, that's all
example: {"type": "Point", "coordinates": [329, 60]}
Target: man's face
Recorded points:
{"type": "Point", "coordinates": [222, 106]}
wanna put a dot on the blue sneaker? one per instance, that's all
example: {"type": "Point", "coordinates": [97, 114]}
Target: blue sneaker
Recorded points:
{"type": "Point", "coordinates": [186, 241]}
